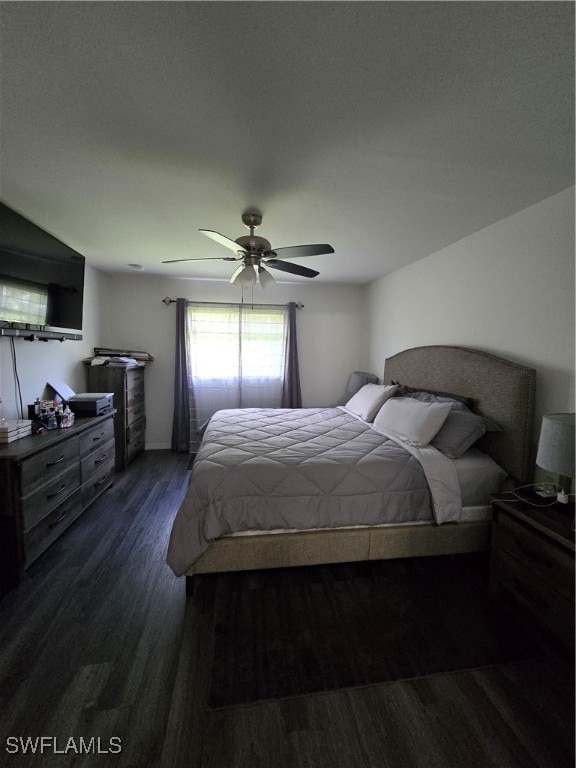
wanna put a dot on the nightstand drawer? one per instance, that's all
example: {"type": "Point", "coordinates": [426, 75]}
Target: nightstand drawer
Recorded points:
{"type": "Point", "coordinates": [552, 608]}
{"type": "Point", "coordinates": [546, 560]}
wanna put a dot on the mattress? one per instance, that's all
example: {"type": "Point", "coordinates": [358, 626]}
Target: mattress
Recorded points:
{"type": "Point", "coordinates": [469, 515]}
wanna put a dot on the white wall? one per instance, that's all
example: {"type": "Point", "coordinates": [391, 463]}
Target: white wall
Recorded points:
{"type": "Point", "coordinates": [507, 289]}
{"type": "Point", "coordinates": [330, 335]}
{"type": "Point", "coordinates": [39, 362]}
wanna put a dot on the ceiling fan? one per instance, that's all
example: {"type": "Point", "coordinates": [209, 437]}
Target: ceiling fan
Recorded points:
{"type": "Point", "coordinates": [256, 253]}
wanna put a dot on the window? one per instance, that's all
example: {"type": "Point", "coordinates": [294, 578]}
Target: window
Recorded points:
{"type": "Point", "coordinates": [237, 356]}
{"type": "Point", "coordinates": [231, 356]}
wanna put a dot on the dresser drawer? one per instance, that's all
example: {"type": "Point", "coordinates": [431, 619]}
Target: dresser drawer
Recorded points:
{"type": "Point", "coordinates": [96, 437]}
{"type": "Point", "coordinates": [135, 412]}
{"type": "Point", "coordinates": [37, 505]}
{"type": "Point", "coordinates": [98, 483]}
{"type": "Point", "coordinates": [135, 439]}
{"type": "Point", "coordinates": [135, 396]}
{"type": "Point", "coordinates": [96, 460]}
{"type": "Point", "coordinates": [549, 606]}
{"type": "Point", "coordinates": [135, 379]}
{"type": "Point", "coordinates": [547, 560]}
{"type": "Point", "coordinates": [47, 530]}
{"type": "Point", "coordinates": [48, 464]}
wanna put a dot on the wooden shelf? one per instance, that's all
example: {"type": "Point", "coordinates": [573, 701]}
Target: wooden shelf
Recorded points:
{"type": "Point", "coordinates": [29, 335]}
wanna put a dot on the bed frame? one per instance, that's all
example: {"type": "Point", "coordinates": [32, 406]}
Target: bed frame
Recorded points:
{"type": "Point", "coordinates": [500, 389]}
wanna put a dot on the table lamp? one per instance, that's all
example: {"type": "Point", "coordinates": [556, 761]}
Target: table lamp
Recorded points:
{"type": "Point", "coordinates": [556, 450]}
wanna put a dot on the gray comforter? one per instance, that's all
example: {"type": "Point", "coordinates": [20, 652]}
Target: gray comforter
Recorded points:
{"type": "Point", "coordinates": [263, 469]}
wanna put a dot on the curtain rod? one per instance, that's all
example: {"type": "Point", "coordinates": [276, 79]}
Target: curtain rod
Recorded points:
{"type": "Point", "coordinates": [167, 300]}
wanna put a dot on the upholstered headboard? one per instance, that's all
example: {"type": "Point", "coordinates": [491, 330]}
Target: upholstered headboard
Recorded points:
{"type": "Point", "coordinates": [500, 390]}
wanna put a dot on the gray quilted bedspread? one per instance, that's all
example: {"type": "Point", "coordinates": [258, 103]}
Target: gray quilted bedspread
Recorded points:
{"type": "Point", "coordinates": [263, 469]}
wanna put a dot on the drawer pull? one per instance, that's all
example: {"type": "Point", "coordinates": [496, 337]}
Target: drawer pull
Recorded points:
{"type": "Point", "coordinates": [53, 463]}
{"type": "Point", "coordinates": [62, 516]}
{"type": "Point", "coordinates": [101, 459]}
{"type": "Point", "coordinates": [532, 553]}
{"type": "Point", "coordinates": [95, 439]}
{"type": "Point", "coordinates": [102, 480]}
{"type": "Point", "coordinates": [57, 493]}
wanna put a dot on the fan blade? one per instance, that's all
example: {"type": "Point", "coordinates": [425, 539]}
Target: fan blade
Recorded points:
{"type": "Point", "coordinates": [207, 258]}
{"type": "Point", "coordinates": [295, 269]}
{"type": "Point", "coordinates": [225, 241]}
{"type": "Point", "coordinates": [297, 251]}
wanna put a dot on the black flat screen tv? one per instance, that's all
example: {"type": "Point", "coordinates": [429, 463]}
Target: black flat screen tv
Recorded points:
{"type": "Point", "coordinates": [41, 278]}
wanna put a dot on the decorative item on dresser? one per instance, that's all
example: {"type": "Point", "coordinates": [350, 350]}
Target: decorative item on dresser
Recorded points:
{"type": "Point", "coordinates": [46, 481]}
{"type": "Point", "coordinates": [127, 384]}
{"type": "Point", "coordinates": [533, 562]}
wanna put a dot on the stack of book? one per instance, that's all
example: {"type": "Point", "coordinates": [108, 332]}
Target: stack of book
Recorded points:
{"type": "Point", "coordinates": [14, 429]}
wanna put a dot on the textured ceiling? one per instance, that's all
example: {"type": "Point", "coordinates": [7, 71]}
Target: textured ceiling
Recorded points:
{"type": "Point", "coordinates": [388, 129]}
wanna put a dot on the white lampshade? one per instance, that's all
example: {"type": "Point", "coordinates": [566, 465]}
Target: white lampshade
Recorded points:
{"type": "Point", "coordinates": [245, 276]}
{"type": "Point", "coordinates": [265, 277]}
{"type": "Point", "coordinates": [556, 444]}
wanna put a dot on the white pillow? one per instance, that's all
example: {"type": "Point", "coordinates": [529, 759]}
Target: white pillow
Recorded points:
{"type": "Point", "coordinates": [369, 399]}
{"type": "Point", "coordinates": [410, 420]}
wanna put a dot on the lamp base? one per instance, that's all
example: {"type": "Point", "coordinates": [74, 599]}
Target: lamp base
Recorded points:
{"type": "Point", "coordinates": [564, 485]}
{"type": "Point", "coordinates": [546, 492]}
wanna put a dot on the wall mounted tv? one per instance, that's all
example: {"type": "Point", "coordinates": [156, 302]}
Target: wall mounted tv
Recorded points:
{"type": "Point", "coordinates": [41, 278]}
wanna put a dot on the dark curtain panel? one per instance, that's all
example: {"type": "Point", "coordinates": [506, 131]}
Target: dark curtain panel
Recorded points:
{"type": "Point", "coordinates": [183, 391]}
{"type": "Point", "coordinates": [291, 394]}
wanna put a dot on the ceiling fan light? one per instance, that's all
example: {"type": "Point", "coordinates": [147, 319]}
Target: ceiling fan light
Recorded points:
{"type": "Point", "coordinates": [245, 277]}
{"type": "Point", "coordinates": [265, 277]}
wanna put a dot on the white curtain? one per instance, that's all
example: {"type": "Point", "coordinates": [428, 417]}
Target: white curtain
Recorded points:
{"type": "Point", "coordinates": [237, 357]}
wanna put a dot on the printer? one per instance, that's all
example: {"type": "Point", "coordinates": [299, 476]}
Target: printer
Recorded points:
{"type": "Point", "coordinates": [91, 403]}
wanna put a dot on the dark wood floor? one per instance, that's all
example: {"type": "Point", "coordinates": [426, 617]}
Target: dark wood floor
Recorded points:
{"type": "Point", "coordinates": [101, 642]}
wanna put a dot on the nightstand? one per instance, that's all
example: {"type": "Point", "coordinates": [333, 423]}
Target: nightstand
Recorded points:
{"type": "Point", "coordinates": [533, 562]}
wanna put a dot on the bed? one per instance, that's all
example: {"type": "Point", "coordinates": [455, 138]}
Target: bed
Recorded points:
{"type": "Point", "coordinates": [251, 459]}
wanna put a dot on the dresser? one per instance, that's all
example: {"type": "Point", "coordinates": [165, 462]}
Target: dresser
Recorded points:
{"type": "Point", "coordinates": [46, 482]}
{"type": "Point", "coordinates": [127, 384]}
{"type": "Point", "coordinates": [533, 563]}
